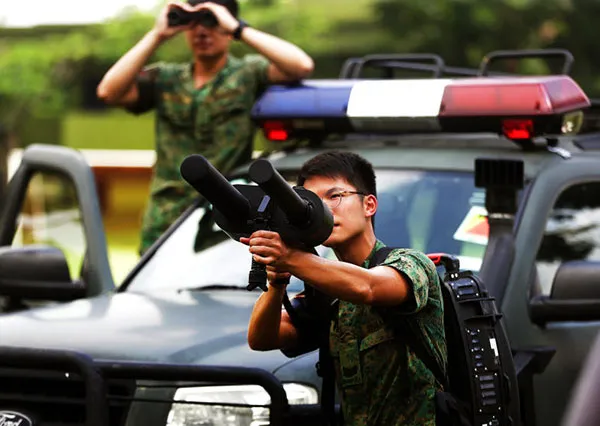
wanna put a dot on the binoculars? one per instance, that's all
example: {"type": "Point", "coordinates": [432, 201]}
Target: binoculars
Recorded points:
{"type": "Point", "coordinates": [204, 17]}
{"type": "Point", "coordinates": [297, 214]}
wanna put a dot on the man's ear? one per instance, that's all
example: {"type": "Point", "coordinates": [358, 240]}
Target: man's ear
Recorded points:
{"type": "Point", "coordinates": [370, 205]}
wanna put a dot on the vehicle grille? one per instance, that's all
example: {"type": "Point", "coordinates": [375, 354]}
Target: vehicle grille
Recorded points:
{"type": "Point", "coordinates": [54, 398]}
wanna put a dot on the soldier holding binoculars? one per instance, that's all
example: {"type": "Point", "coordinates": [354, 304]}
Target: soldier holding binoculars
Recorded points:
{"type": "Point", "coordinates": [202, 106]}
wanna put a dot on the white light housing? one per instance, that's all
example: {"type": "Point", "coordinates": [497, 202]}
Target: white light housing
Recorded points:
{"type": "Point", "coordinates": [228, 415]}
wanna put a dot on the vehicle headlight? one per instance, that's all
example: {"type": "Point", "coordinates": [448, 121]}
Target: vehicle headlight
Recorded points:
{"type": "Point", "coordinates": [223, 415]}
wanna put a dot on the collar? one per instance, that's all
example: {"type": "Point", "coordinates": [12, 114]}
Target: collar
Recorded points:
{"type": "Point", "coordinates": [188, 73]}
{"type": "Point", "coordinates": [378, 244]}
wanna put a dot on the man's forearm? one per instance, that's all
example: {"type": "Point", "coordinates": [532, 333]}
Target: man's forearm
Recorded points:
{"type": "Point", "coordinates": [287, 57]}
{"type": "Point", "coordinates": [121, 76]}
{"type": "Point", "coordinates": [337, 279]}
{"type": "Point", "coordinates": [265, 321]}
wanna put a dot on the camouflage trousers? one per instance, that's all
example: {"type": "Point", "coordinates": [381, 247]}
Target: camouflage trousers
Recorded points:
{"type": "Point", "coordinates": [162, 210]}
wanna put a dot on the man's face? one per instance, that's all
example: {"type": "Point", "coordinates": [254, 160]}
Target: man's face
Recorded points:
{"type": "Point", "coordinates": [207, 43]}
{"type": "Point", "coordinates": [351, 212]}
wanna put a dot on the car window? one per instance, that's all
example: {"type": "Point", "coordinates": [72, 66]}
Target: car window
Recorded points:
{"type": "Point", "coordinates": [572, 231]}
{"type": "Point", "coordinates": [50, 216]}
{"type": "Point", "coordinates": [426, 210]}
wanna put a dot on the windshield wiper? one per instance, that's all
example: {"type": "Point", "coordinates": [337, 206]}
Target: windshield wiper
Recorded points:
{"type": "Point", "coordinates": [213, 287]}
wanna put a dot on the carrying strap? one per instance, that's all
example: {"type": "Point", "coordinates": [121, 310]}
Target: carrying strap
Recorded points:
{"type": "Point", "coordinates": [404, 329]}
{"type": "Point", "coordinates": [309, 316]}
{"type": "Point", "coordinates": [325, 368]}
{"type": "Point", "coordinates": [317, 311]}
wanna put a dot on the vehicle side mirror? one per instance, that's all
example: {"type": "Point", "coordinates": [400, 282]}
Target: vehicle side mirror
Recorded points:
{"type": "Point", "coordinates": [575, 294]}
{"type": "Point", "coordinates": [577, 279]}
{"type": "Point", "coordinates": [37, 273]}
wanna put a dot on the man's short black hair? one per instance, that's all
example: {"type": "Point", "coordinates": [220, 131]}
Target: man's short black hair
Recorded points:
{"type": "Point", "coordinates": [341, 164]}
{"type": "Point", "coordinates": [231, 5]}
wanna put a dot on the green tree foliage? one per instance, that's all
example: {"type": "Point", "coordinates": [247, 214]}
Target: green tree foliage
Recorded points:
{"type": "Point", "coordinates": [463, 31]}
{"type": "Point", "coordinates": [42, 69]}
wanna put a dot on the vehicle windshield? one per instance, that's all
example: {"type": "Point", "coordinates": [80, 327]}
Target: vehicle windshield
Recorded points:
{"type": "Point", "coordinates": [432, 211]}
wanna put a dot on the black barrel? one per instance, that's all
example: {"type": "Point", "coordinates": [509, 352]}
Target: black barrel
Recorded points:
{"type": "Point", "coordinates": [295, 208]}
{"type": "Point", "coordinates": [204, 178]}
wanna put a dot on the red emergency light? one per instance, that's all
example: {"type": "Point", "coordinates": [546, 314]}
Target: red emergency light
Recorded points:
{"type": "Point", "coordinates": [512, 96]}
{"type": "Point", "coordinates": [275, 131]}
{"type": "Point", "coordinates": [518, 129]}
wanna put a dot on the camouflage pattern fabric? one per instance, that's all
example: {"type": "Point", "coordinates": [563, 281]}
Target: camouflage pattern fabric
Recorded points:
{"type": "Point", "coordinates": [213, 121]}
{"type": "Point", "coordinates": [380, 379]}
{"type": "Point", "coordinates": [161, 212]}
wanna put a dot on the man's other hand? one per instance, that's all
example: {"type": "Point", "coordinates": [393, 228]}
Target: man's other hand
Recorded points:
{"type": "Point", "coordinates": [162, 28]}
{"type": "Point", "coordinates": [268, 248]}
{"type": "Point", "coordinates": [226, 20]}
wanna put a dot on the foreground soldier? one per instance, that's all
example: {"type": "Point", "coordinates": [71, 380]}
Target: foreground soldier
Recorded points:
{"type": "Point", "coordinates": [202, 106]}
{"type": "Point", "coordinates": [380, 379]}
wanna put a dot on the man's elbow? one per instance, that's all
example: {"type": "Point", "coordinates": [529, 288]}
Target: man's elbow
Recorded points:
{"type": "Point", "coordinates": [308, 67]}
{"type": "Point", "coordinates": [260, 346]}
{"type": "Point", "coordinates": [258, 342]}
{"type": "Point", "coordinates": [103, 94]}
{"type": "Point", "coordinates": [305, 68]}
{"type": "Point", "coordinates": [106, 95]}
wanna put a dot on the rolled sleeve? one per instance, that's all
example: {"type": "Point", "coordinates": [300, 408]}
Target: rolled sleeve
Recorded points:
{"type": "Point", "coordinates": [147, 85]}
{"type": "Point", "coordinates": [416, 269]}
{"type": "Point", "coordinates": [258, 67]}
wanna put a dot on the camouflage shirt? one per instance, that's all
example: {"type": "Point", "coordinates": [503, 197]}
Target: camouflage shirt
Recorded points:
{"type": "Point", "coordinates": [213, 121]}
{"type": "Point", "coordinates": [379, 378]}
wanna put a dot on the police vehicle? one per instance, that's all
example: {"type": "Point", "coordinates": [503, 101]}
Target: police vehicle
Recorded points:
{"type": "Point", "coordinates": [167, 346]}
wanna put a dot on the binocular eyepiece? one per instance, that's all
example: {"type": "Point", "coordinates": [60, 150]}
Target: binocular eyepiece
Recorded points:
{"type": "Point", "coordinates": [204, 17]}
{"type": "Point", "coordinates": [297, 214]}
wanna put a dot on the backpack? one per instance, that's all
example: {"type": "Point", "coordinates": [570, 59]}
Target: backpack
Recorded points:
{"type": "Point", "coordinates": [480, 387]}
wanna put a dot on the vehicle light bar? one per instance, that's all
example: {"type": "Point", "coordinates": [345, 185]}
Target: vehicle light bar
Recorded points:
{"type": "Point", "coordinates": [517, 107]}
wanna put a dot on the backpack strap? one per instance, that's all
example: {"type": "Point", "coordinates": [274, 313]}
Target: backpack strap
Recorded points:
{"type": "Point", "coordinates": [409, 336]}
{"type": "Point", "coordinates": [305, 316]}
{"type": "Point", "coordinates": [315, 313]}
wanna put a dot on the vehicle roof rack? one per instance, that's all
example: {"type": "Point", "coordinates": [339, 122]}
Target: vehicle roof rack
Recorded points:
{"type": "Point", "coordinates": [353, 67]}
{"type": "Point", "coordinates": [432, 63]}
{"type": "Point", "coordinates": [484, 66]}
{"type": "Point", "coordinates": [389, 62]}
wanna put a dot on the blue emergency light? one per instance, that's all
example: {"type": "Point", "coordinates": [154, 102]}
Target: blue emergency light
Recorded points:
{"type": "Point", "coordinates": [519, 108]}
{"type": "Point", "coordinates": [311, 99]}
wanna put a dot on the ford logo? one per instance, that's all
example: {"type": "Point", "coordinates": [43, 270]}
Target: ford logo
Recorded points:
{"type": "Point", "coordinates": [12, 418]}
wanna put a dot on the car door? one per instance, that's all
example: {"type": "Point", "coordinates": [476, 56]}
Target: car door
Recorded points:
{"type": "Point", "coordinates": [52, 241]}
{"type": "Point", "coordinates": [560, 229]}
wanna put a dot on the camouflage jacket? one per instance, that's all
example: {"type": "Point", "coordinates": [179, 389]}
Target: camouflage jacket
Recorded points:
{"type": "Point", "coordinates": [213, 121]}
{"type": "Point", "coordinates": [380, 379]}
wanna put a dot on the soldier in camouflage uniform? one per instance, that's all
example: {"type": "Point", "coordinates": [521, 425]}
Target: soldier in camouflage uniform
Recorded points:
{"type": "Point", "coordinates": [379, 377]}
{"type": "Point", "coordinates": [202, 106]}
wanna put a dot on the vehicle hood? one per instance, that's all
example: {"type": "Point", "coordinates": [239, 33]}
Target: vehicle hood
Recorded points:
{"type": "Point", "coordinates": [189, 327]}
